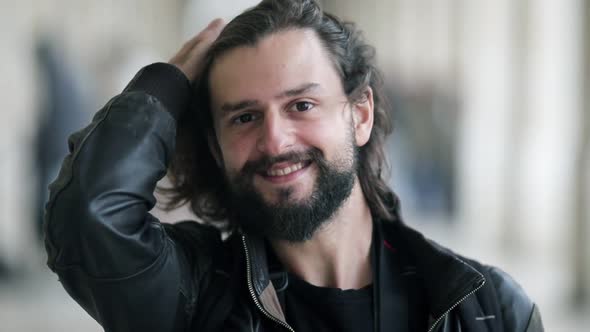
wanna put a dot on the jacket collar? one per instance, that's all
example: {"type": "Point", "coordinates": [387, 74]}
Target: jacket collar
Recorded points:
{"type": "Point", "coordinates": [447, 278]}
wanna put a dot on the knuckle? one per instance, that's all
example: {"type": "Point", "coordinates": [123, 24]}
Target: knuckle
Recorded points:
{"type": "Point", "coordinates": [205, 35]}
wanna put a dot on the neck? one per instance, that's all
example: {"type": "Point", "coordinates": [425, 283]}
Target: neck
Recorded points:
{"type": "Point", "coordinates": [338, 254]}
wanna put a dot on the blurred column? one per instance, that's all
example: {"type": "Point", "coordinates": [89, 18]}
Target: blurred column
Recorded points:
{"type": "Point", "coordinates": [18, 244]}
{"type": "Point", "coordinates": [487, 83]}
{"type": "Point", "coordinates": [581, 231]}
{"type": "Point", "coordinates": [519, 124]}
{"type": "Point", "coordinates": [511, 230]}
{"type": "Point", "coordinates": [551, 128]}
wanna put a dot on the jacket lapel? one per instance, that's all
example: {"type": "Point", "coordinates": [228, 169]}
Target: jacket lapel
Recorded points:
{"type": "Point", "coordinates": [448, 280]}
{"type": "Point", "coordinates": [263, 288]}
{"type": "Point", "coordinates": [388, 291]}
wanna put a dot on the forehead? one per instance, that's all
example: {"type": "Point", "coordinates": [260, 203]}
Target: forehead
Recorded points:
{"type": "Point", "coordinates": [278, 62]}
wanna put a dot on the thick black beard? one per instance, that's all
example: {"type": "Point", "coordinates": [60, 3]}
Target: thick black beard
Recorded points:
{"type": "Point", "coordinates": [293, 222]}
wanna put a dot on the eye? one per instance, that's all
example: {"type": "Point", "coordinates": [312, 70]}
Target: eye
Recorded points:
{"type": "Point", "coordinates": [244, 118]}
{"type": "Point", "coordinates": [303, 106]}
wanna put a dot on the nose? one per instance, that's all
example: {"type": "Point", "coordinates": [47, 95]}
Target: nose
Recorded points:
{"type": "Point", "coordinates": [275, 135]}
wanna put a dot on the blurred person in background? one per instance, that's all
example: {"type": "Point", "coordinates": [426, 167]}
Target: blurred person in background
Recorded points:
{"type": "Point", "coordinates": [280, 145]}
{"type": "Point", "coordinates": [63, 111]}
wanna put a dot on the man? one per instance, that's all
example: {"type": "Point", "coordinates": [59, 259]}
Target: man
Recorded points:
{"type": "Point", "coordinates": [282, 147]}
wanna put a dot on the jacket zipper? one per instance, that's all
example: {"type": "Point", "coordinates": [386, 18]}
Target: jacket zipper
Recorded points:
{"type": "Point", "coordinates": [253, 294]}
{"type": "Point", "coordinates": [454, 305]}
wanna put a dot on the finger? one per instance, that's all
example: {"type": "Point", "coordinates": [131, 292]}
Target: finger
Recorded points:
{"type": "Point", "coordinates": [216, 23]}
{"type": "Point", "coordinates": [212, 30]}
{"type": "Point", "coordinates": [205, 40]}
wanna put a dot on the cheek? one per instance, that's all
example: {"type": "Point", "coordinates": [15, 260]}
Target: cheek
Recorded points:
{"type": "Point", "coordinates": [328, 135]}
{"type": "Point", "coordinates": [235, 152]}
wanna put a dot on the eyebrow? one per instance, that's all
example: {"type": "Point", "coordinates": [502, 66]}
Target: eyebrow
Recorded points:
{"type": "Point", "coordinates": [234, 107]}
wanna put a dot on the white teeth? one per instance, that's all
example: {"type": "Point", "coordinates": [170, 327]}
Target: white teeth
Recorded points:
{"type": "Point", "coordinates": [285, 171]}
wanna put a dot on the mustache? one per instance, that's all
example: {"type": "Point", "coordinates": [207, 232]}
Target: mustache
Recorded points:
{"type": "Point", "coordinates": [265, 162]}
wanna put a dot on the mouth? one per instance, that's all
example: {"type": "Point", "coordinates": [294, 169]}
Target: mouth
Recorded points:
{"type": "Point", "coordinates": [284, 172]}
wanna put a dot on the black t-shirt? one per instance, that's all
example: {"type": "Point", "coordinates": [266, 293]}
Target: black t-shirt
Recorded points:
{"type": "Point", "coordinates": [311, 308]}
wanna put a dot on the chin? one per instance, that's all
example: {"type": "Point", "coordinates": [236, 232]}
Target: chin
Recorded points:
{"type": "Point", "coordinates": [285, 197]}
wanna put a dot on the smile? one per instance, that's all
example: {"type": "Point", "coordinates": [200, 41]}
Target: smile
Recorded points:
{"type": "Point", "coordinates": [284, 173]}
{"type": "Point", "coordinates": [285, 170]}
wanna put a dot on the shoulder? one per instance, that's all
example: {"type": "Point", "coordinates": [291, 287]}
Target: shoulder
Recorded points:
{"type": "Point", "coordinates": [502, 291]}
{"type": "Point", "coordinates": [500, 298]}
{"type": "Point", "coordinates": [509, 291]}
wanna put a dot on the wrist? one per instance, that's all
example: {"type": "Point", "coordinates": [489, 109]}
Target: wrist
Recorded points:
{"type": "Point", "coordinates": [167, 83]}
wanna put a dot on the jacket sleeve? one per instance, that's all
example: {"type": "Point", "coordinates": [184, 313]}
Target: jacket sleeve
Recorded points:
{"type": "Point", "coordinates": [111, 255]}
{"type": "Point", "coordinates": [518, 311]}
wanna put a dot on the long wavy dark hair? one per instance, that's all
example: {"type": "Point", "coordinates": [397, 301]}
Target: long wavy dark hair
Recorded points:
{"type": "Point", "coordinates": [195, 176]}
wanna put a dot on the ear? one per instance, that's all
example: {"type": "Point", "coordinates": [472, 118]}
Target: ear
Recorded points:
{"type": "Point", "coordinates": [214, 148]}
{"type": "Point", "coordinates": [362, 117]}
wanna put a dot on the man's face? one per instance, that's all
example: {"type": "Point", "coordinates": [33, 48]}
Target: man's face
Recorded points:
{"type": "Point", "coordinates": [285, 133]}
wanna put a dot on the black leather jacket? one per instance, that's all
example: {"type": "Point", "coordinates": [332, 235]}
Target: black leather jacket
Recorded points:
{"type": "Point", "coordinates": [132, 273]}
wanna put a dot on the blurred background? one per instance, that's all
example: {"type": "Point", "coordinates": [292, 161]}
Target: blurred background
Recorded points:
{"type": "Point", "coordinates": [490, 154]}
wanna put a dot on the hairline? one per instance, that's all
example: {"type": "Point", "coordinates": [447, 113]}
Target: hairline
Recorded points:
{"type": "Point", "coordinates": [282, 29]}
